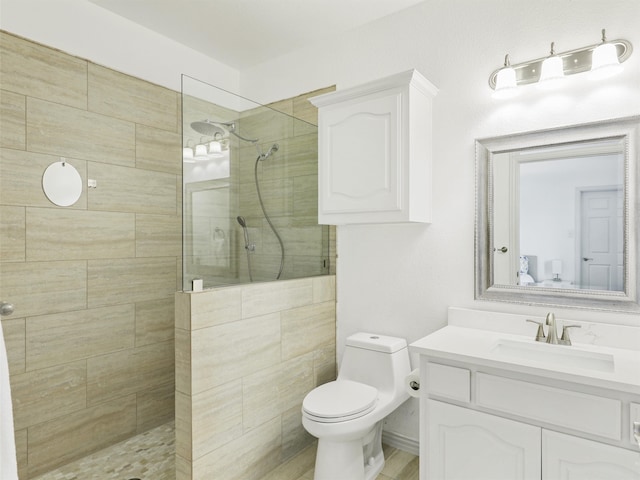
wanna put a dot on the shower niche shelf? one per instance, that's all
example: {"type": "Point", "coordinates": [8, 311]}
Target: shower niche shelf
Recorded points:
{"type": "Point", "coordinates": [374, 145]}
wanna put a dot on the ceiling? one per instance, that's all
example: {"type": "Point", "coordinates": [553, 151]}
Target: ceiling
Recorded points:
{"type": "Point", "coordinates": [244, 33]}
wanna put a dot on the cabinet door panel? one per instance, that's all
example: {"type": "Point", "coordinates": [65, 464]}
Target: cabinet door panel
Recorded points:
{"type": "Point", "coordinates": [469, 445]}
{"type": "Point", "coordinates": [565, 457]}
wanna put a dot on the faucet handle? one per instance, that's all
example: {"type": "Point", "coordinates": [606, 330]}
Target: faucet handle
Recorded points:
{"type": "Point", "coordinates": [564, 339]}
{"type": "Point", "coordinates": [540, 333]}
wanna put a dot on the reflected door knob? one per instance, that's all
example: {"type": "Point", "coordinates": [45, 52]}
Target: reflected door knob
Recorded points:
{"type": "Point", "coordinates": [586, 259]}
{"type": "Point", "coordinates": [503, 249]}
{"type": "Point", "coordinates": [6, 308]}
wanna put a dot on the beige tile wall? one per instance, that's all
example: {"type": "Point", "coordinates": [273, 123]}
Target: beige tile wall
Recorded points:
{"type": "Point", "coordinates": [90, 345]}
{"type": "Point", "coordinates": [245, 358]}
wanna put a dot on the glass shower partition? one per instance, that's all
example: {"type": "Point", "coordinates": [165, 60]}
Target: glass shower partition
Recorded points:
{"type": "Point", "coordinates": [249, 191]}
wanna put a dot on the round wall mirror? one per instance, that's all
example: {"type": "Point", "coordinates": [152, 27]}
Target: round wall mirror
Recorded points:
{"type": "Point", "coordinates": [62, 184]}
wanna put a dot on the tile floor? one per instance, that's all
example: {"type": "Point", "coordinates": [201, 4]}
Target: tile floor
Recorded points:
{"type": "Point", "coordinates": [150, 456]}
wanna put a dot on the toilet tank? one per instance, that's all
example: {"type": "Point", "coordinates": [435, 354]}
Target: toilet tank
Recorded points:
{"type": "Point", "coordinates": [377, 360]}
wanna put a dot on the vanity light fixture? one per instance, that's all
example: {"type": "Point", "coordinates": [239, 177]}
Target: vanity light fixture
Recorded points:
{"type": "Point", "coordinates": [601, 62]}
{"type": "Point", "coordinates": [215, 148]}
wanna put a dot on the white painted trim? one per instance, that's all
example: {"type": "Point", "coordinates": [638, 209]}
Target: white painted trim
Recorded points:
{"type": "Point", "coordinates": [401, 442]}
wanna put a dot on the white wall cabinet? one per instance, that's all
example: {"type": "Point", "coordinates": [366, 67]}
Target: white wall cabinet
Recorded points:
{"type": "Point", "coordinates": [469, 445]}
{"type": "Point", "coordinates": [374, 146]}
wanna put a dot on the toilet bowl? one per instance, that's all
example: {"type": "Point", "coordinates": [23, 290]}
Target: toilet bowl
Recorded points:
{"type": "Point", "coordinates": [346, 414]}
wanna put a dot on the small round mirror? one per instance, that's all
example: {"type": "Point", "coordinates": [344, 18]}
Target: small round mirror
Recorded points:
{"type": "Point", "coordinates": [62, 183]}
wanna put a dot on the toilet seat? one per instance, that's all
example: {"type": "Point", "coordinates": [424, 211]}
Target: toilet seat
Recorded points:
{"type": "Point", "coordinates": [339, 401]}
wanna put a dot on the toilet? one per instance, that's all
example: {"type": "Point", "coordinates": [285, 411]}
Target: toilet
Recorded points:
{"type": "Point", "coordinates": [346, 415]}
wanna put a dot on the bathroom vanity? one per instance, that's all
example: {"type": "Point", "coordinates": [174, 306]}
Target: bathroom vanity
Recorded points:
{"type": "Point", "coordinates": [496, 404]}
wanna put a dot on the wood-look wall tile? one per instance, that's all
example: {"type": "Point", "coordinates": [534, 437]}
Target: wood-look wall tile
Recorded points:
{"type": "Point", "coordinates": [304, 109]}
{"type": "Point", "coordinates": [155, 407]}
{"type": "Point", "coordinates": [249, 457]}
{"type": "Point", "coordinates": [299, 467]}
{"type": "Point", "coordinates": [21, 452]}
{"type": "Point", "coordinates": [305, 195]}
{"type": "Point", "coordinates": [266, 124]}
{"type": "Point", "coordinates": [276, 296]}
{"type": "Point", "coordinates": [296, 381]}
{"type": "Point", "coordinates": [122, 189]}
{"type": "Point", "coordinates": [294, 436]}
{"type": "Point", "coordinates": [37, 288]}
{"type": "Point", "coordinates": [128, 371]}
{"type": "Point", "coordinates": [216, 418]}
{"type": "Point", "coordinates": [130, 280]}
{"type": "Point", "coordinates": [39, 71]}
{"type": "Point", "coordinates": [158, 235]}
{"type": "Point", "coordinates": [215, 307]}
{"type": "Point", "coordinates": [324, 288]}
{"type": "Point", "coordinates": [183, 310]}
{"type": "Point", "coordinates": [73, 436]}
{"type": "Point", "coordinates": [12, 234]}
{"type": "Point", "coordinates": [21, 178]}
{"type": "Point", "coordinates": [183, 468]}
{"type": "Point", "coordinates": [60, 130]}
{"type": "Point", "coordinates": [158, 150]}
{"type": "Point", "coordinates": [79, 234]}
{"type": "Point", "coordinates": [122, 96]}
{"type": "Point", "coordinates": [308, 328]}
{"type": "Point", "coordinates": [155, 321]}
{"type": "Point", "coordinates": [183, 359]}
{"type": "Point", "coordinates": [54, 339]}
{"type": "Point", "coordinates": [48, 393]}
{"type": "Point", "coordinates": [184, 427]}
{"type": "Point", "coordinates": [14, 339]}
{"type": "Point", "coordinates": [227, 352]}
{"type": "Point", "coordinates": [13, 130]}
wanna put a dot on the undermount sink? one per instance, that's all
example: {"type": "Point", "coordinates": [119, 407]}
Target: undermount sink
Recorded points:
{"type": "Point", "coordinates": [553, 355]}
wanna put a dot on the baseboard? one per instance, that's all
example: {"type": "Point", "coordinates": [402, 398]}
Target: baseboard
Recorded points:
{"type": "Point", "coordinates": [401, 442]}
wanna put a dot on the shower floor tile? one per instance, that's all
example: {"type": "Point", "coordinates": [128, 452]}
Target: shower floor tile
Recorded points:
{"type": "Point", "coordinates": [148, 456]}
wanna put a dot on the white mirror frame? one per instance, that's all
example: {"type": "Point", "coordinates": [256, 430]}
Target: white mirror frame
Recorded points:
{"type": "Point", "coordinates": [626, 301]}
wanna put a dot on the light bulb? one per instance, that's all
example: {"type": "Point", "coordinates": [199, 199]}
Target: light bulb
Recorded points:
{"type": "Point", "coordinates": [215, 149]}
{"type": "Point", "coordinates": [604, 60]}
{"type": "Point", "coordinates": [201, 152]}
{"type": "Point", "coordinates": [552, 71]}
{"type": "Point", "coordinates": [506, 83]}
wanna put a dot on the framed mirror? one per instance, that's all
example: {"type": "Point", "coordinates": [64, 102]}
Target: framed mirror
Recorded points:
{"type": "Point", "coordinates": [557, 217]}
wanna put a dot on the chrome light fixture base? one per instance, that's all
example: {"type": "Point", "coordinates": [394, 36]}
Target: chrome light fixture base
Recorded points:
{"type": "Point", "coordinates": [574, 61]}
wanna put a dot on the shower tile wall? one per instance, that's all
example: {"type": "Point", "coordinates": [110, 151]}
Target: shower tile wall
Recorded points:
{"type": "Point", "coordinates": [245, 358]}
{"type": "Point", "coordinates": [90, 346]}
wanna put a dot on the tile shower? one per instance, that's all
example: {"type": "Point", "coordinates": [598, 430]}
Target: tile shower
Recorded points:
{"type": "Point", "coordinates": [91, 344]}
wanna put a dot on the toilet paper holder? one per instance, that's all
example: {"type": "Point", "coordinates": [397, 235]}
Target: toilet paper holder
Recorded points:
{"type": "Point", "coordinates": [414, 385]}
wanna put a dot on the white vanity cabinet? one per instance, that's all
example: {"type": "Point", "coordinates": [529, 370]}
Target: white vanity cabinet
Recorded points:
{"type": "Point", "coordinates": [480, 422]}
{"type": "Point", "coordinates": [374, 146]}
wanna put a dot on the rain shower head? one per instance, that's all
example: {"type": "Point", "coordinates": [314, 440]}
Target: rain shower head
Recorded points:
{"type": "Point", "coordinates": [211, 129]}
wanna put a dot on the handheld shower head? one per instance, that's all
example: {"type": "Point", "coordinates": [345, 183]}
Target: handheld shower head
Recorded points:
{"type": "Point", "coordinates": [241, 221]}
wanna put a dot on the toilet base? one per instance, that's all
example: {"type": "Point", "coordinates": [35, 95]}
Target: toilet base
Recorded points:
{"type": "Point", "coordinates": [345, 460]}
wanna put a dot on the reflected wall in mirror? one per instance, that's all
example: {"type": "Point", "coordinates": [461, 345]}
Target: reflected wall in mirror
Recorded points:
{"type": "Point", "coordinates": [556, 219]}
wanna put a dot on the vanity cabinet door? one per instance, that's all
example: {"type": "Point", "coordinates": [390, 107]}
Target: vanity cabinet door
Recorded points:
{"type": "Point", "coordinates": [565, 457]}
{"type": "Point", "coordinates": [465, 444]}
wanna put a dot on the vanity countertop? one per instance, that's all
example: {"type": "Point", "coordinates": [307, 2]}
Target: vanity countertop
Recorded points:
{"type": "Point", "coordinates": [598, 366]}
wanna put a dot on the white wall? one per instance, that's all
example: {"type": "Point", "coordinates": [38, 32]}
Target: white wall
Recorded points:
{"type": "Point", "coordinates": [400, 279]}
{"type": "Point", "coordinates": [88, 31]}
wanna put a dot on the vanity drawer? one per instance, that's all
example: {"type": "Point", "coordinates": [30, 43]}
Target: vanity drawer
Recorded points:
{"type": "Point", "coordinates": [564, 408]}
{"type": "Point", "coordinates": [449, 382]}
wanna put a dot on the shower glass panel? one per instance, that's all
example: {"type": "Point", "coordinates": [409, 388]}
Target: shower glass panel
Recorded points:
{"type": "Point", "coordinates": [250, 198]}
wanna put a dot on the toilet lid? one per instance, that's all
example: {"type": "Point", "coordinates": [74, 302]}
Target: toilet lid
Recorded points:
{"type": "Point", "coordinates": [342, 399]}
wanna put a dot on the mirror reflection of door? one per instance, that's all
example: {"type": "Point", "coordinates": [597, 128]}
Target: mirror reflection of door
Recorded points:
{"type": "Point", "coordinates": [506, 220]}
{"type": "Point", "coordinates": [601, 242]}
